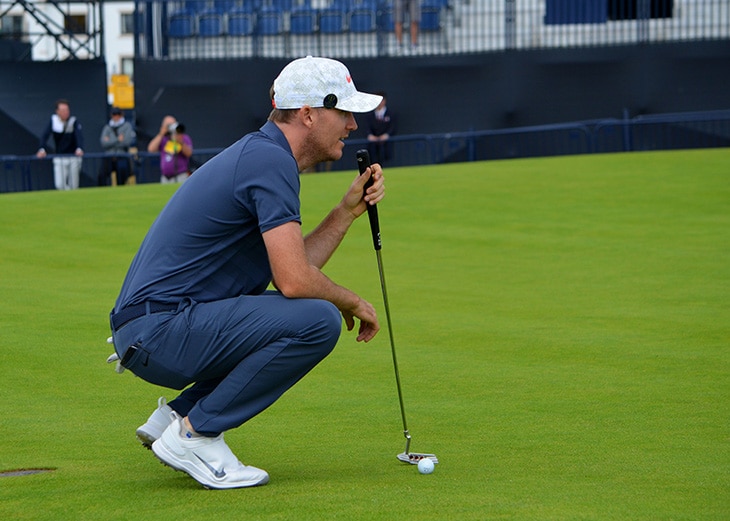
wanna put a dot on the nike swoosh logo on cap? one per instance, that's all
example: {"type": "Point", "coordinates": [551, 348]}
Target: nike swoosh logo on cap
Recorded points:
{"type": "Point", "coordinates": [217, 473]}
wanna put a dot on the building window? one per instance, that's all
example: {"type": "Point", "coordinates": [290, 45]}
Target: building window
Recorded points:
{"type": "Point", "coordinates": [11, 26]}
{"type": "Point", "coordinates": [75, 23]}
{"type": "Point", "coordinates": [126, 23]}
{"type": "Point", "coordinates": [128, 67]}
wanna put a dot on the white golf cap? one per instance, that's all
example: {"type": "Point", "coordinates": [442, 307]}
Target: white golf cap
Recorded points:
{"type": "Point", "coordinates": [320, 82]}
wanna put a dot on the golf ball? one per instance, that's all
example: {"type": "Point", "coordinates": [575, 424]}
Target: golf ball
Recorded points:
{"type": "Point", "coordinates": [425, 466]}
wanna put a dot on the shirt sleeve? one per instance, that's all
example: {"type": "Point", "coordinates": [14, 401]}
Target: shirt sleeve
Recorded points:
{"type": "Point", "coordinates": [129, 135]}
{"type": "Point", "coordinates": [44, 137]}
{"type": "Point", "coordinates": [79, 135]}
{"type": "Point", "coordinates": [267, 185]}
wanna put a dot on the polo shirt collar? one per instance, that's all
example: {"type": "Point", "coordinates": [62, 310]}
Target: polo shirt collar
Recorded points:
{"type": "Point", "coordinates": [274, 132]}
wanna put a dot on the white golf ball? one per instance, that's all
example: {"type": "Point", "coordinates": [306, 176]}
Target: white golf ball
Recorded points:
{"type": "Point", "coordinates": [425, 466]}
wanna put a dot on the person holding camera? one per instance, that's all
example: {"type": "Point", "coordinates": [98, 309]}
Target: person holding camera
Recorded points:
{"type": "Point", "coordinates": [175, 148]}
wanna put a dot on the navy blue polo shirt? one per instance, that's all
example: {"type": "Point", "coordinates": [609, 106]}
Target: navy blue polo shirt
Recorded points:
{"type": "Point", "coordinates": [207, 242]}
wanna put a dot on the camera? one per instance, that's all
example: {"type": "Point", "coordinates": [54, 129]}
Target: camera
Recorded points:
{"type": "Point", "coordinates": [176, 127]}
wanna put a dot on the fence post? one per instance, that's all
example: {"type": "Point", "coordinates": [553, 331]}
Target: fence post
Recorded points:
{"type": "Point", "coordinates": [510, 30]}
{"type": "Point", "coordinates": [643, 15]}
{"type": "Point", "coordinates": [627, 131]}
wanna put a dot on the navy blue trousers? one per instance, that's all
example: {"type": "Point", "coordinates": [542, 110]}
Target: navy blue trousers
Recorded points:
{"type": "Point", "coordinates": [233, 357]}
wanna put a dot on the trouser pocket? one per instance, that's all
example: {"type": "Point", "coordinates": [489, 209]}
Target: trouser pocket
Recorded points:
{"type": "Point", "coordinates": [147, 365]}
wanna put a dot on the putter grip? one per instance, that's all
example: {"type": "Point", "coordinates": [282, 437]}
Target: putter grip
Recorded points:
{"type": "Point", "coordinates": [363, 162]}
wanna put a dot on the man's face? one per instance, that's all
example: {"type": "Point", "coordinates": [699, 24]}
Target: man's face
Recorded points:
{"type": "Point", "coordinates": [330, 128]}
{"type": "Point", "coordinates": [63, 111]}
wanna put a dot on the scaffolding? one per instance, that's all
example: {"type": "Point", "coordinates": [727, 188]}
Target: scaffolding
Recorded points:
{"type": "Point", "coordinates": [51, 30]}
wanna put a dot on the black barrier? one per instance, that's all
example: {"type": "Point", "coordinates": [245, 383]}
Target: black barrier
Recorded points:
{"type": "Point", "coordinates": [657, 132]}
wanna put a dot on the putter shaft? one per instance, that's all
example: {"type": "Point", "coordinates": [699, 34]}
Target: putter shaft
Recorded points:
{"type": "Point", "coordinates": [363, 162]}
{"type": "Point", "coordinates": [392, 350]}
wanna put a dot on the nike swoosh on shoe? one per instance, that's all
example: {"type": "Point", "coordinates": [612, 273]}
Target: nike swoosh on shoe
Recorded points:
{"type": "Point", "coordinates": [220, 474]}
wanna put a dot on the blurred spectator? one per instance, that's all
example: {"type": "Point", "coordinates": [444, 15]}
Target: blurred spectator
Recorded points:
{"type": "Point", "coordinates": [116, 138]}
{"type": "Point", "coordinates": [381, 125]}
{"type": "Point", "coordinates": [67, 139]}
{"type": "Point", "coordinates": [413, 8]}
{"type": "Point", "coordinates": [175, 147]}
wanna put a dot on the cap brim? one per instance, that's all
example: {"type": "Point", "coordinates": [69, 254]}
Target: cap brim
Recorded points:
{"type": "Point", "coordinates": [360, 102]}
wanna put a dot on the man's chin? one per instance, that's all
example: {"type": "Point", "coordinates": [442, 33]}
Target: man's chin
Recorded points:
{"type": "Point", "coordinates": [337, 153]}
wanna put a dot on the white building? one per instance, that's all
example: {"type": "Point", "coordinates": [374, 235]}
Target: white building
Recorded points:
{"type": "Point", "coordinates": [119, 37]}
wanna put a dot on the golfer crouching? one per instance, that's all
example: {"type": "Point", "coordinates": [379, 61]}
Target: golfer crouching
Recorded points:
{"type": "Point", "coordinates": [194, 312]}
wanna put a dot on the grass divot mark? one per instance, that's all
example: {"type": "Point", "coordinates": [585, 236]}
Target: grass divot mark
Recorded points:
{"type": "Point", "coordinates": [23, 472]}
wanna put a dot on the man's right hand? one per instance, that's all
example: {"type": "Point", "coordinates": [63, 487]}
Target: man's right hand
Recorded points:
{"type": "Point", "coordinates": [369, 325]}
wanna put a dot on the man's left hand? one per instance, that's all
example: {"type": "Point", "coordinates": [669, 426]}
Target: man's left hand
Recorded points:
{"type": "Point", "coordinates": [357, 198]}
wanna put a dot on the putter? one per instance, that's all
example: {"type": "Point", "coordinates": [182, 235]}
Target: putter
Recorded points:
{"type": "Point", "coordinates": [363, 162]}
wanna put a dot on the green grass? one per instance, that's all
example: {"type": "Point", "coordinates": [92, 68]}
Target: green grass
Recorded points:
{"type": "Point", "coordinates": [562, 327]}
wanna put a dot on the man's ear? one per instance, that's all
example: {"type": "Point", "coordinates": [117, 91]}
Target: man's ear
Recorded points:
{"type": "Point", "coordinates": [306, 115]}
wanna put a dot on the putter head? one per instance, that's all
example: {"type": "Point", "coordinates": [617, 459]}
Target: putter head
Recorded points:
{"type": "Point", "coordinates": [414, 457]}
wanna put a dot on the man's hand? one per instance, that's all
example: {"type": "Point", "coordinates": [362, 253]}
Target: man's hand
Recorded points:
{"type": "Point", "coordinates": [369, 325]}
{"type": "Point", "coordinates": [165, 126]}
{"type": "Point", "coordinates": [354, 202]}
{"type": "Point", "coordinates": [295, 277]}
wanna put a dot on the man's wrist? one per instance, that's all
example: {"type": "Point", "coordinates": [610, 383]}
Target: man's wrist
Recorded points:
{"type": "Point", "coordinates": [344, 215]}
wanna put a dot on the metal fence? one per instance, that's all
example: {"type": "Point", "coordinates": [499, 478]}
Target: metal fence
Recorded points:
{"type": "Point", "coordinates": [659, 132]}
{"type": "Point", "coordinates": [366, 28]}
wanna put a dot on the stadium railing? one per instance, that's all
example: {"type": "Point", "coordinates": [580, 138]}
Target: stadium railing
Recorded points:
{"type": "Point", "coordinates": [655, 132]}
{"type": "Point", "coordinates": [447, 26]}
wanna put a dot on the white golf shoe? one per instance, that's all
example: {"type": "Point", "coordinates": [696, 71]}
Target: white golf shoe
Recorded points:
{"type": "Point", "coordinates": [209, 461]}
{"type": "Point", "coordinates": [156, 423]}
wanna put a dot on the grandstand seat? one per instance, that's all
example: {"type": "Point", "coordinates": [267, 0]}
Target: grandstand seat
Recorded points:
{"type": "Point", "coordinates": [303, 20]}
{"type": "Point", "coordinates": [342, 5]}
{"type": "Point", "coordinates": [302, 29]}
{"type": "Point", "coordinates": [333, 38]}
{"type": "Point", "coordinates": [363, 41]}
{"type": "Point", "coordinates": [355, 5]}
{"type": "Point", "coordinates": [241, 28]}
{"type": "Point", "coordinates": [195, 6]}
{"type": "Point", "coordinates": [282, 5]}
{"type": "Point", "coordinates": [241, 22]}
{"type": "Point", "coordinates": [247, 6]}
{"type": "Point", "coordinates": [210, 23]}
{"type": "Point", "coordinates": [268, 21]}
{"type": "Point", "coordinates": [223, 6]}
{"type": "Point", "coordinates": [385, 19]}
{"type": "Point", "coordinates": [181, 25]}
{"type": "Point", "coordinates": [362, 20]}
{"type": "Point", "coordinates": [331, 21]}
{"type": "Point", "coordinates": [253, 4]}
{"type": "Point", "coordinates": [431, 15]}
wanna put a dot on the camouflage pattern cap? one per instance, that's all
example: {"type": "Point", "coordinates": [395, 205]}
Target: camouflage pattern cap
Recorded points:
{"type": "Point", "coordinates": [320, 82]}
